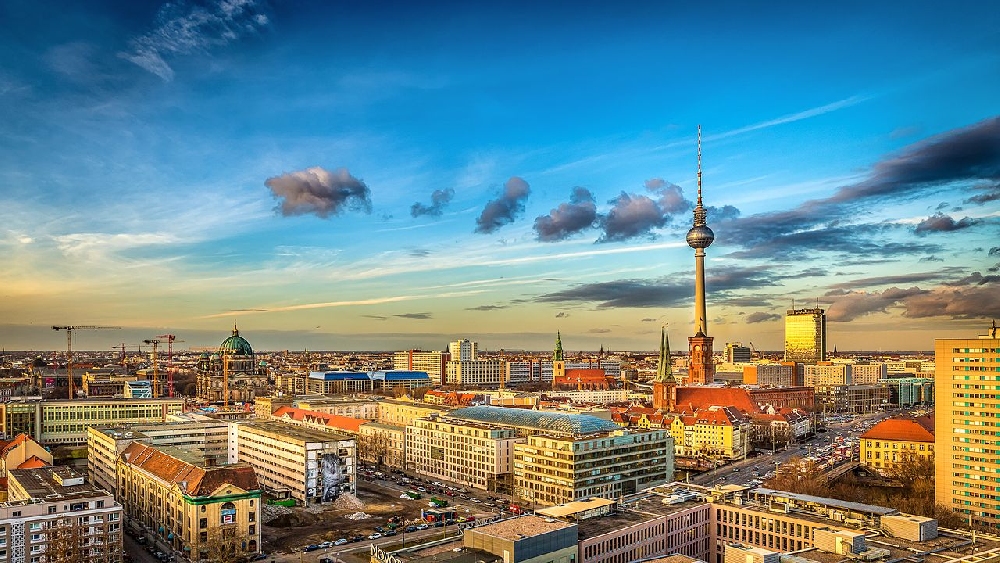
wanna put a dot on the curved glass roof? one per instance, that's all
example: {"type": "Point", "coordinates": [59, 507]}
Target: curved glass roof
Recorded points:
{"type": "Point", "coordinates": [575, 424]}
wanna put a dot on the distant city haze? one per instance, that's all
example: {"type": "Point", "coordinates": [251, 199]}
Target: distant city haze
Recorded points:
{"type": "Point", "coordinates": [345, 178]}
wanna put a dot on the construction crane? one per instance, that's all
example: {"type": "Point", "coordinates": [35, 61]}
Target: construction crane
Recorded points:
{"type": "Point", "coordinates": [170, 362]}
{"type": "Point", "coordinates": [156, 373]}
{"type": "Point", "coordinates": [69, 347]}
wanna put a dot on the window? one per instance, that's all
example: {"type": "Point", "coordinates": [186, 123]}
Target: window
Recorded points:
{"type": "Point", "coordinates": [203, 523]}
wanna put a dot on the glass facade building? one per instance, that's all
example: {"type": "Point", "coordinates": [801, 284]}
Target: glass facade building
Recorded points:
{"type": "Point", "coordinates": [805, 335]}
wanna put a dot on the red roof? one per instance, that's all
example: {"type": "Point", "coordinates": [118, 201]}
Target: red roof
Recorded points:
{"type": "Point", "coordinates": [33, 462]}
{"type": "Point", "coordinates": [695, 399]}
{"type": "Point", "coordinates": [902, 430]}
{"type": "Point", "coordinates": [191, 479]}
{"type": "Point", "coordinates": [329, 420]}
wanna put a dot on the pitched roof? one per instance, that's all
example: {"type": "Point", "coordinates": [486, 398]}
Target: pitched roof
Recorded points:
{"type": "Point", "coordinates": [900, 430]}
{"type": "Point", "coordinates": [321, 418]}
{"type": "Point", "coordinates": [192, 480]}
{"type": "Point", "coordinates": [33, 462]}
{"type": "Point", "coordinates": [702, 398]}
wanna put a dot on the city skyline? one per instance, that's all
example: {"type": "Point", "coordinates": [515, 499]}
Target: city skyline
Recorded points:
{"type": "Point", "coordinates": [392, 177]}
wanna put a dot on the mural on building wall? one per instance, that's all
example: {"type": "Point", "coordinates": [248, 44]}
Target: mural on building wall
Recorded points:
{"type": "Point", "coordinates": [334, 476]}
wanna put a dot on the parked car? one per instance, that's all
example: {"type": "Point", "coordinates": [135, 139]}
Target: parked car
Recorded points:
{"type": "Point", "coordinates": [374, 536]}
{"type": "Point", "coordinates": [341, 541]}
{"type": "Point", "coordinates": [311, 547]}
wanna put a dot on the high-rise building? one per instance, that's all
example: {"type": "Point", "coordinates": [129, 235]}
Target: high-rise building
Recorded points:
{"type": "Point", "coordinates": [966, 445]}
{"type": "Point", "coordinates": [805, 335]}
{"type": "Point", "coordinates": [432, 362]}
{"type": "Point", "coordinates": [463, 350]}
{"type": "Point", "coordinates": [701, 364]}
{"type": "Point", "coordinates": [737, 353]}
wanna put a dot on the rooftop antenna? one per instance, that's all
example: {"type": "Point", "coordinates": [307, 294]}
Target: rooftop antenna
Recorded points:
{"type": "Point", "coordinates": [699, 165]}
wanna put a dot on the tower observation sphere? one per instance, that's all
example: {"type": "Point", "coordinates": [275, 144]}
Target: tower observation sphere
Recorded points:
{"type": "Point", "coordinates": [700, 237]}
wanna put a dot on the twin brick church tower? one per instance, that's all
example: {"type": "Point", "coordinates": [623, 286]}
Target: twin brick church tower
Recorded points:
{"type": "Point", "coordinates": [701, 367]}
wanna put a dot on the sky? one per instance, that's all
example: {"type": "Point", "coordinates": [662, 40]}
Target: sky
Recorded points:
{"type": "Point", "coordinates": [385, 176]}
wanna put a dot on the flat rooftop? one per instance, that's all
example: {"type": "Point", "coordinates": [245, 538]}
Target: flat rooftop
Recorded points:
{"type": "Point", "coordinates": [600, 525]}
{"type": "Point", "coordinates": [522, 527]}
{"type": "Point", "coordinates": [294, 432]}
{"type": "Point", "coordinates": [46, 483]}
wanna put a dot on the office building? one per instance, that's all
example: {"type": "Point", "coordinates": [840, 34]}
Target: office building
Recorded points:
{"type": "Point", "coordinates": [463, 350]}
{"type": "Point", "coordinates": [528, 539]}
{"type": "Point", "coordinates": [784, 374]}
{"type": "Point", "coordinates": [966, 445]}
{"type": "Point", "coordinates": [470, 453]}
{"type": "Point", "coordinates": [473, 373]}
{"type": "Point", "coordinates": [870, 373]}
{"type": "Point", "coordinates": [292, 461]}
{"type": "Point", "coordinates": [827, 373]}
{"type": "Point", "coordinates": [204, 512]}
{"type": "Point", "coordinates": [65, 421]}
{"type": "Point", "coordinates": [737, 353]}
{"type": "Point", "coordinates": [53, 514]}
{"type": "Point", "coordinates": [805, 335]}
{"type": "Point", "coordinates": [432, 363]}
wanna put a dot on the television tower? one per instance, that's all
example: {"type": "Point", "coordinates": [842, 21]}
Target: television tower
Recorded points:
{"type": "Point", "coordinates": [701, 365]}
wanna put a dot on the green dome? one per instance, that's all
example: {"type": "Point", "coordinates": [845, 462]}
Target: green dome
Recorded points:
{"type": "Point", "coordinates": [235, 345]}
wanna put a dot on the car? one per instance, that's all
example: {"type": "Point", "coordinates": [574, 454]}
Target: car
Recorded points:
{"type": "Point", "coordinates": [423, 527]}
{"type": "Point", "coordinates": [260, 557]}
{"type": "Point", "coordinates": [374, 536]}
{"type": "Point", "coordinates": [390, 533]}
{"type": "Point", "coordinates": [341, 541]}
{"type": "Point", "coordinates": [325, 544]}
{"type": "Point", "coordinates": [379, 529]}
{"type": "Point", "coordinates": [438, 524]}
{"type": "Point", "coordinates": [357, 538]}
{"type": "Point", "coordinates": [411, 529]}
{"type": "Point", "coordinates": [311, 547]}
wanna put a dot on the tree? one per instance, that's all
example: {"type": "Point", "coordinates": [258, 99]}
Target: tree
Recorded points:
{"type": "Point", "coordinates": [910, 469]}
{"type": "Point", "coordinates": [63, 544]}
{"type": "Point", "coordinates": [228, 544]}
{"type": "Point", "coordinates": [373, 448]}
{"type": "Point", "coordinates": [799, 475]}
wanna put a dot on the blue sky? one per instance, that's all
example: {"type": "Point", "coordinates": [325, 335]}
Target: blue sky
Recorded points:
{"type": "Point", "coordinates": [386, 176]}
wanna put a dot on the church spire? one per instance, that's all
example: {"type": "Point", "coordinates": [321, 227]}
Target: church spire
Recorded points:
{"type": "Point", "coordinates": [236, 331]}
{"type": "Point", "coordinates": [557, 355]}
{"type": "Point", "coordinates": [664, 371]}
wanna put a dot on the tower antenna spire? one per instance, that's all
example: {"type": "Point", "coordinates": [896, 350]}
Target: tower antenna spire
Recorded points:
{"type": "Point", "coordinates": [699, 165]}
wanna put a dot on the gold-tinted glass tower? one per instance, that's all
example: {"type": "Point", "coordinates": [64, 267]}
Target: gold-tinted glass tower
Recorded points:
{"type": "Point", "coordinates": [966, 442]}
{"type": "Point", "coordinates": [805, 335]}
{"type": "Point", "coordinates": [701, 365]}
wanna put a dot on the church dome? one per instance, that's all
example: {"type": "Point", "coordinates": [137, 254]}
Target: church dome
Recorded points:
{"type": "Point", "coordinates": [235, 345]}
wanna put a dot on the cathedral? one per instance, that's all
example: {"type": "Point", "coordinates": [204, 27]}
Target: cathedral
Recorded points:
{"type": "Point", "coordinates": [231, 374]}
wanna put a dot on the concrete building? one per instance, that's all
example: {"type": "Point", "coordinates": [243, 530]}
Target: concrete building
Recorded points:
{"type": "Point", "coordinates": [909, 391]}
{"type": "Point", "coordinates": [353, 407]}
{"type": "Point", "coordinates": [463, 350]}
{"type": "Point", "coordinates": [431, 363]}
{"type": "Point", "coordinates": [871, 373]}
{"type": "Point", "coordinates": [897, 440]}
{"type": "Point", "coordinates": [382, 444]}
{"type": "Point", "coordinates": [53, 514]}
{"type": "Point", "coordinates": [57, 422]}
{"type": "Point", "coordinates": [737, 353]}
{"type": "Point", "coordinates": [205, 443]}
{"type": "Point", "coordinates": [404, 412]}
{"type": "Point", "coordinates": [805, 335]}
{"type": "Point", "coordinates": [571, 456]}
{"type": "Point", "coordinates": [471, 453]}
{"type": "Point", "coordinates": [22, 452]}
{"type": "Point", "coordinates": [852, 398]}
{"type": "Point", "coordinates": [827, 373]}
{"type": "Point", "coordinates": [305, 464]}
{"type": "Point", "coordinates": [204, 512]}
{"type": "Point", "coordinates": [528, 539]}
{"type": "Point", "coordinates": [967, 455]}
{"type": "Point", "coordinates": [338, 382]}
{"type": "Point", "coordinates": [476, 373]}
{"type": "Point", "coordinates": [784, 374]}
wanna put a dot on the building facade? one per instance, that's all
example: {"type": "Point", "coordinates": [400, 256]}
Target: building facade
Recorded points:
{"type": "Point", "coordinates": [432, 363]}
{"type": "Point", "coordinates": [204, 512]}
{"type": "Point", "coordinates": [805, 335]}
{"type": "Point", "coordinates": [897, 440]}
{"type": "Point", "coordinates": [475, 454]}
{"type": "Point", "coordinates": [305, 464]}
{"type": "Point", "coordinates": [966, 445]}
{"type": "Point", "coordinates": [53, 514]}
{"type": "Point", "coordinates": [57, 422]}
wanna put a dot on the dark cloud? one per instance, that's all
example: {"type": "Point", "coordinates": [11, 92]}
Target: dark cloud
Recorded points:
{"type": "Point", "coordinates": [994, 251]}
{"type": "Point", "coordinates": [569, 218]}
{"type": "Point", "coordinates": [974, 296]}
{"type": "Point", "coordinates": [849, 305]}
{"type": "Point", "coordinates": [415, 316]}
{"type": "Point", "coordinates": [631, 216]}
{"type": "Point", "coordinates": [506, 208]}
{"type": "Point", "coordinates": [941, 223]}
{"type": "Point", "coordinates": [724, 213]}
{"type": "Point", "coordinates": [931, 259]}
{"type": "Point", "coordinates": [664, 292]}
{"type": "Point", "coordinates": [599, 330]}
{"type": "Point", "coordinates": [561, 315]}
{"type": "Point", "coordinates": [439, 199]}
{"type": "Point", "coordinates": [915, 277]}
{"type": "Point", "coordinates": [992, 194]}
{"type": "Point", "coordinates": [975, 278]}
{"type": "Point", "coordinates": [486, 308]}
{"type": "Point", "coordinates": [319, 192]}
{"type": "Point", "coordinates": [671, 200]}
{"type": "Point", "coordinates": [761, 317]}
{"type": "Point", "coordinates": [964, 155]}
{"type": "Point", "coordinates": [941, 206]}
{"type": "Point", "coordinates": [648, 320]}
{"type": "Point", "coordinates": [376, 317]}
{"type": "Point", "coordinates": [420, 253]}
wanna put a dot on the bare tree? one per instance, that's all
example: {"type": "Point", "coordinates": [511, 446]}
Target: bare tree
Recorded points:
{"type": "Point", "coordinates": [227, 544]}
{"type": "Point", "coordinates": [373, 448]}
{"type": "Point", "coordinates": [63, 544]}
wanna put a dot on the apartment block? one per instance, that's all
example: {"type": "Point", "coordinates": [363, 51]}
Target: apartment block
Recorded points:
{"type": "Point", "coordinates": [966, 427]}
{"type": "Point", "coordinates": [305, 464]}
{"type": "Point", "coordinates": [52, 513]}
{"type": "Point", "coordinates": [58, 422]}
{"type": "Point", "coordinates": [433, 363]}
{"type": "Point", "coordinates": [827, 373]}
